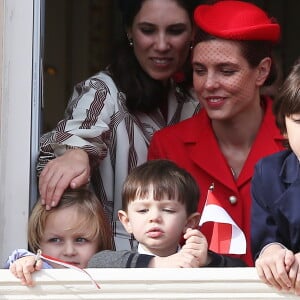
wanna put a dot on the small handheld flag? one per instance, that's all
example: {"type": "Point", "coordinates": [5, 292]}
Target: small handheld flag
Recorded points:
{"type": "Point", "coordinates": [227, 237]}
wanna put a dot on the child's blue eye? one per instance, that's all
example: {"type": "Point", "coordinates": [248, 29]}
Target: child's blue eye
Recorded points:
{"type": "Point", "coordinates": [54, 240]}
{"type": "Point", "coordinates": [81, 240]}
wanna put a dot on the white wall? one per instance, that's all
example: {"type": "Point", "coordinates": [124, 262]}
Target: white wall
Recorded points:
{"type": "Point", "coordinates": [16, 19]}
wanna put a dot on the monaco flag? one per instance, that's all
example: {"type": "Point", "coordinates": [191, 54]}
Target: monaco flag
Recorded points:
{"type": "Point", "coordinates": [227, 237]}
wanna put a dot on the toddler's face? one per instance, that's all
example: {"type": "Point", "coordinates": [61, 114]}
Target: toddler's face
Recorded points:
{"type": "Point", "coordinates": [64, 240]}
{"type": "Point", "coordinates": [157, 224]}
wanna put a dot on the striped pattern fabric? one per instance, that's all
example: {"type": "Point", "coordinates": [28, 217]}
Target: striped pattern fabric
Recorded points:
{"type": "Point", "coordinates": [97, 120]}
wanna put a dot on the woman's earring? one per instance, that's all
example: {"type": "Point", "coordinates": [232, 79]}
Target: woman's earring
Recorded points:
{"type": "Point", "coordinates": [130, 41]}
{"type": "Point", "coordinates": [191, 45]}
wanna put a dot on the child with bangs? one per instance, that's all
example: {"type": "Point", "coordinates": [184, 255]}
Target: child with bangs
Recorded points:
{"type": "Point", "coordinates": [71, 232]}
{"type": "Point", "coordinates": [275, 193]}
{"type": "Point", "coordinates": [158, 208]}
{"type": "Point", "coordinates": [159, 201]}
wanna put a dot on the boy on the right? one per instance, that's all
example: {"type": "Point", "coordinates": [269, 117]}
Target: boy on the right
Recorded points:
{"type": "Point", "coordinates": [276, 197]}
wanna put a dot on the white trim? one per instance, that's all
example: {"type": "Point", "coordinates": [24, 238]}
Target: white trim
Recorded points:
{"type": "Point", "coordinates": [202, 283]}
{"type": "Point", "coordinates": [15, 118]}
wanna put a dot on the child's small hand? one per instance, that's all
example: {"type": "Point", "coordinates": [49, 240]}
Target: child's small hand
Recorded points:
{"type": "Point", "coordinates": [196, 245]}
{"type": "Point", "coordinates": [181, 259]}
{"type": "Point", "coordinates": [23, 267]}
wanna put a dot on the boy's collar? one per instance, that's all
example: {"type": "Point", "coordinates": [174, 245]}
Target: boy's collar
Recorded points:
{"type": "Point", "coordinates": [142, 250]}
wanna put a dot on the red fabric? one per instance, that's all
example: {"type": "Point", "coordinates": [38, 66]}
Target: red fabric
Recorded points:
{"type": "Point", "coordinates": [221, 233]}
{"type": "Point", "coordinates": [221, 238]}
{"type": "Point", "coordinates": [193, 146]}
{"type": "Point", "coordinates": [237, 20]}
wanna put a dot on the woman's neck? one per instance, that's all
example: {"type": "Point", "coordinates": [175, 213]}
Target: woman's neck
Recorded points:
{"type": "Point", "coordinates": [236, 136]}
{"type": "Point", "coordinates": [241, 129]}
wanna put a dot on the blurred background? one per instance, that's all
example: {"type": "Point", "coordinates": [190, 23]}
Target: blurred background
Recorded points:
{"type": "Point", "coordinates": [80, 37]}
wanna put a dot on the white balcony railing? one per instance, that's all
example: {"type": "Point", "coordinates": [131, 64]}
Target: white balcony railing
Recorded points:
{"type": "Point", "coordinates": [202, 283]}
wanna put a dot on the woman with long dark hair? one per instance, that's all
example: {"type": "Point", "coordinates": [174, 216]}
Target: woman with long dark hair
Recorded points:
{"type": "Point", "coordinates": [112, 116]}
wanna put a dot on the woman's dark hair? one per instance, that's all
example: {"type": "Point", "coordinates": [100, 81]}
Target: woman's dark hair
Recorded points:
{"type": "Point", "coordinates": [143, 93]}
{"type": "Point", "coordinates": [252, 51]}
{"type": "Point", "coordinates": [130, 8]}
{"type": "Point", "coordinates": [287, 102]}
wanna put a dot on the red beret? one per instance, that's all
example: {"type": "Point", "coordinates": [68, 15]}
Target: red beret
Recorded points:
{"type": "Point", "coordinates": [236, 20]}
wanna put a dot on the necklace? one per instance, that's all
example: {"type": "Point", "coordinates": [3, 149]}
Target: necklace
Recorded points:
{"type": "Point", "coordinates": [233, 173]}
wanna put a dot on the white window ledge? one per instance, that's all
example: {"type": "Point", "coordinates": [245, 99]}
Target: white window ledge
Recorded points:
{"type": "Point", "coordinates": [202, 283]}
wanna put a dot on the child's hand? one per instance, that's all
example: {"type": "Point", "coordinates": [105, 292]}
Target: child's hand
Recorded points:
{"type": "Point", "coordinates": [180, 259]}
{"type": "Point", "coordinates": [196, 245]}
{"type": "Point", "coordinates": [273, 267]}
{"type": "Point", "coordinates": [23, 267]}
{"type": "Point", "coordinates": [192, 255]}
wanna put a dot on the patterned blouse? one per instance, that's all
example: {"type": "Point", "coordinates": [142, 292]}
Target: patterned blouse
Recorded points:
{"type": "Point", "coordinates": [97, 120]}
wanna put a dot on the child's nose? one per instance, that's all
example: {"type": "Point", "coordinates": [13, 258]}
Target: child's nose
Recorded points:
{"type": "Point", "coordinates": [69, 249]}
{"type": "Point", "coordinates": [155, 216]}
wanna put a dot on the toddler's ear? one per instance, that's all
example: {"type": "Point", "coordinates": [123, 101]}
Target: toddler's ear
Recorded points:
{"type": "Point", "coordinates": [192, 221]}
{"type": "Point", "coordinates": [123, 217]}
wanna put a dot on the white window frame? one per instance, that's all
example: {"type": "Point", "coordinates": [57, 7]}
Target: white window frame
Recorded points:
{"type": "Point", "coordinates": [16, 65]}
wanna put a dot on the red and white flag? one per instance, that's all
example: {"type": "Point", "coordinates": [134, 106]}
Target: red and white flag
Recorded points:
{"type": "Point", "coordinates": [227, 237]}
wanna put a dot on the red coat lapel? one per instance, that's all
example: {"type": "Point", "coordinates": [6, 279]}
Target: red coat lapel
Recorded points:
{"type": "Point", "coordinates": [204, 151]}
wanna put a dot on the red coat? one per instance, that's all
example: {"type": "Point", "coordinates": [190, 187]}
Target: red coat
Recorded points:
{"type": "Point", "coordinates": [193, 146]}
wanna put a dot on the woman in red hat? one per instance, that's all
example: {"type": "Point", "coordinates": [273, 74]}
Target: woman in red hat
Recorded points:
{"type": "Point", "coordinates": [220, 146]}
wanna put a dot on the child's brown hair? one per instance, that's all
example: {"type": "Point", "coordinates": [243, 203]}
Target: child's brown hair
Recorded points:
{"type": "Point", "coordinates": [87, 204]}
{"type": "Point", "coordinates": [167, 179]}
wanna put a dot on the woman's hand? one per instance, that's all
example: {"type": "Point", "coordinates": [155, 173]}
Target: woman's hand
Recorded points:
{"type": "Point", "coordinates": [23, 267]}
{"type": "Point", "coordinates": [72, 169]}
{"type": "Point", "coordinates": [273, 267]}
{"type": "Point", "coordinates": [294, 274]}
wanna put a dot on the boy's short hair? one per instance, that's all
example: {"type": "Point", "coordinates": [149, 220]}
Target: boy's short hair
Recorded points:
{"type": "Point", "coordinates": [167, 179]}
{"type": "Point", "coordinates": [86, 203]}
{"type": "Point", "coordinates": [287, 101]}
